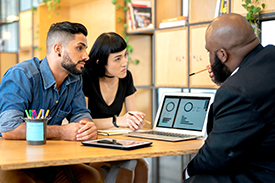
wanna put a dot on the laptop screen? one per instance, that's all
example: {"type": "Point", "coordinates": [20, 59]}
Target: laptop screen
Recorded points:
{"type": "Point", "coordinates": [183, 112]}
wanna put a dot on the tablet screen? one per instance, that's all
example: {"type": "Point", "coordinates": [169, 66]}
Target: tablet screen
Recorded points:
{"type": "Point", "coordinates": [117, 143]}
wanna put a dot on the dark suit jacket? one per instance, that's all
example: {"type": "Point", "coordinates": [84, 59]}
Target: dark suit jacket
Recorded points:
{"type": "Point", "coordinates": [241, 142]}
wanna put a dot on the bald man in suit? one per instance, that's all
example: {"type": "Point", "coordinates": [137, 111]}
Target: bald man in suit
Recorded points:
{"type": "Point", "coordinates": [240, 146]}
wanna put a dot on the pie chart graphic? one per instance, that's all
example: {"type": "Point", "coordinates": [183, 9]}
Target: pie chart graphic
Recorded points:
{"type": "Point", "coordinates": [188, 107]}
{"type": "Point", "coordinates": [170, 106]}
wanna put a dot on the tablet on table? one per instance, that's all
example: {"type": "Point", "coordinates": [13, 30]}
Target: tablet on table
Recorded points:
{"type": "Point", "coordinates": [117, 143]}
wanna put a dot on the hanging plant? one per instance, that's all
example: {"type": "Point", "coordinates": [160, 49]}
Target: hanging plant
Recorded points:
{"type": "Point", "coordinates": [52, 5]}
{"type": "Point", "coordinates": [126, 37]}
{"type": "Point", "coordinates": [253, 9]}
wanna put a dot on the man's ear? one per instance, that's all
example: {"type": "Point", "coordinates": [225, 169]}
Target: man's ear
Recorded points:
{"type": "Point", "coordinates": [57, 49]}
{"type": "Point", "coordinates": [222, 55]}
{"type": "Point", "coordinates": [97, 61]}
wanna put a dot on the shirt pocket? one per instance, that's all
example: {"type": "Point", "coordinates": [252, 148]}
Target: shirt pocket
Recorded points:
{"type": "Point", "coordinates": [60, 115]}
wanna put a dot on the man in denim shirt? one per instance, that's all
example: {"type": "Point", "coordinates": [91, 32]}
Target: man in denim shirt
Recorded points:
{"type": "Point", "coordinates": [53, 83]}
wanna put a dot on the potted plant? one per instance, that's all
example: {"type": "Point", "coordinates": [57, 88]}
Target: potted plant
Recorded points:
{"type": "Point", "coordinates": [253, 9]}
{"type": "Point", "coordinates": [126, 37]}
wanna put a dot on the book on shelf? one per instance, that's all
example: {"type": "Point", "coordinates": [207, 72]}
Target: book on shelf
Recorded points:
{"type": "Point", "coordinates": [221, 8]}
{"type": "Point", "coordinates": [140, 15]}
{"type": "Point", "coordinates": [173, 22]}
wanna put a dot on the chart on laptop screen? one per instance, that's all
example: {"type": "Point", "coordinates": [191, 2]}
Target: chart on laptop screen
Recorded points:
{"type": "Point", "coordinates": [183, 113]}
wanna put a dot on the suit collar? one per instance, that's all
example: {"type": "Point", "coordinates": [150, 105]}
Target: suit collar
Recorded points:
{"type": "Point", "coordinates": [256, 50]}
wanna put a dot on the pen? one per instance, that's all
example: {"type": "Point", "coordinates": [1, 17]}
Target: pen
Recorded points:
{"type": "Point", "coordinates": [42, 114]}
{"type": "Point", "coordinates": [27, 114]}
{"type": "Point", "coordinates": [39, 114]}
{"type": "Point", "coordinates": [33, 114]}
{"type": "Point", "coordinates": [198, 72]}
{"type": "Point", "coordinates": [47, 113]}
{"type": "Point", "coordinates": [144, 119]}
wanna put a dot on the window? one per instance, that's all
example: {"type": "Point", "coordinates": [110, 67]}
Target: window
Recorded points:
{"type": "Point", "coordinates": [9, 13]}
{"type": "Point", "coordinates": [267, 32]}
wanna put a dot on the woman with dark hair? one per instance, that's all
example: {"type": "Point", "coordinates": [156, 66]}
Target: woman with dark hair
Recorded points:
{"type": "Point", "coordinates": [108, 84]}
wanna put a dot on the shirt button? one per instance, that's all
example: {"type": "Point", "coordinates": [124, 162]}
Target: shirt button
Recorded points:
{"type": "Point", "coordinates": [56, 101]}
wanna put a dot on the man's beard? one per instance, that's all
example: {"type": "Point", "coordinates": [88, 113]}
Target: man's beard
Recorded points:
{"type": "Point", "coordinates": [221, 72]}
{"type": "Point", "coordinates": [69, 65]}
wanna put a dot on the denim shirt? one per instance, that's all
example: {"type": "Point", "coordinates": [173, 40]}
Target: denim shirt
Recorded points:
{"type": "Point", "coordinates": [31, 85]}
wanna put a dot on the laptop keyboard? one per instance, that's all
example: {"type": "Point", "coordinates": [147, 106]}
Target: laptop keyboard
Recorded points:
{"type": "Point", "coordinates": [168, 134]}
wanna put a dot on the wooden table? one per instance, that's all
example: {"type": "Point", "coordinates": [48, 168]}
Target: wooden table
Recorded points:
{"type": "Point", "coordinates": [17, 154]}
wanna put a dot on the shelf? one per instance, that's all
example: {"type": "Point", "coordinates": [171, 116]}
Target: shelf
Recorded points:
{"type": "Point", "coordinates": [149, 31]}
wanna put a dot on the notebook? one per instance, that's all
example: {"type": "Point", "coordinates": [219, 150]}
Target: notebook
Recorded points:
{"type": "Point", "coordinates": [180, 116]}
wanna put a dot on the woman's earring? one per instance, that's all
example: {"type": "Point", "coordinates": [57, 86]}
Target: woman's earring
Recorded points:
{"type": "Point", "coordinates": [59, 54]}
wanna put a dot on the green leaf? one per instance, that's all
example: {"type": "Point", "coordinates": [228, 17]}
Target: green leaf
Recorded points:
{"type": "Point", "coordinates": [247, 16]}
{"type": "Point", "coordinates": [137, 62]}
{"type": "Point", "coordinates": [124, 8]}
{"type": "Point", "coordinates": [255, 10]}
{"type": "Point", "coordinates": [117, 6]}
{"type": "Point", "coordinates": [126, 39]}
{"type": "Point", "coordinates": [119, 19]}
{"type": "Point", "coordinates": [125, 26]}
{"type": "Point", "coordinates": [49, 6]}
{"type": "Point", "coordinates": [263, 5]}
{"type": "Point", "coordinates": [58, 1]}
{"type": "Point", "coordinates": [114, 2]}
{"type": "Point", "coordinates": [129, 48]}
{"type": "Point", "coordinates": [128, 1]}
{"type": "Point", "coordinates": [34, 9]}
{"type": "Point", "coordinates": [248, 1]}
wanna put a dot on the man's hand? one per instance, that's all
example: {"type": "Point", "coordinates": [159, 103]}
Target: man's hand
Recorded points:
{"type": "Point", "coordinates": [83, 129]}
{"type": "Point", "coordinates": [88, 130]}
{"type": "Point", "coordinates": [212, 76]}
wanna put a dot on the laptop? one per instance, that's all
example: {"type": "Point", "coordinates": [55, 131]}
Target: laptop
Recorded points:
{"type": "Point", "coordinates": [180, 116]}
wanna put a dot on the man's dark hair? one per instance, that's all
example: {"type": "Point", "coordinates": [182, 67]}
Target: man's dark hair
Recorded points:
{"type": "Point", "coordinates": [63, 33]}
{"type": "Point", "coordinates": [104, 45]}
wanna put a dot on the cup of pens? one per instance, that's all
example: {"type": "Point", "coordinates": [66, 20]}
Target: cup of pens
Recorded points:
{"type": "Point", "coordinates": [36, 128]}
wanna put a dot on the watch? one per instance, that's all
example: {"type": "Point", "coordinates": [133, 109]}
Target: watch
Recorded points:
{"type": "Point", "coordinates": [114, 121]}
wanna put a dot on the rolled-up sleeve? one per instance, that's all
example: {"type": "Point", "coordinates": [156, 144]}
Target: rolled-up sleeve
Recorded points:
{"type": "Point", "coordinates": [15, 92]}
{"type": "Point", "coordinates": [79, 109]}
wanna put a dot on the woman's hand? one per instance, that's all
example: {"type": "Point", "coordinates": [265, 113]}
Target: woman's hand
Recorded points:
{"type": "Point", "coordinates": [134, 120]}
